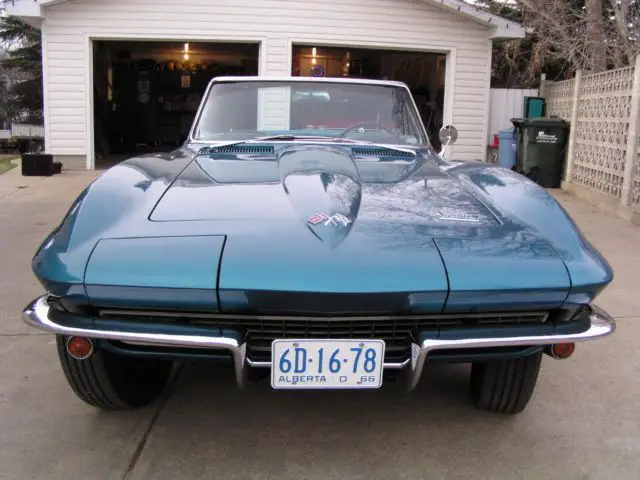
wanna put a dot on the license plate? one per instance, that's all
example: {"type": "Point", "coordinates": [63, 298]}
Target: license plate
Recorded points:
{"type": "Point", "coordinates": [326, 364]}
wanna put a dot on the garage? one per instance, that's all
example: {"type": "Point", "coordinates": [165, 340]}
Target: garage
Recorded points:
{"type": "Point", "coordinates": [423, 72]}
{"type": "Point", "coordinates": [116, 81]}
{"type": "Point", "coordinates": [146, 94]}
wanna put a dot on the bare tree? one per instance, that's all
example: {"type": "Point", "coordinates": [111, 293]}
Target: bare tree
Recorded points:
{"type": "Point", "coordinates": [596, 39]}
{"type": "Point", "coordinates": [565, 35]}
{"type": "Point", "coordinates": [588, 34]}
{"type": "Point", "coordinates": [625, 29]}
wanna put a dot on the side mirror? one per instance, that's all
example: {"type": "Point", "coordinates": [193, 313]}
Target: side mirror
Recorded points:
{"type": "Point", "coordinates": [448, 135]}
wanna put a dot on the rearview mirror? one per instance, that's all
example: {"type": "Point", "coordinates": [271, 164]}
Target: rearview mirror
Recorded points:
{"type": "Point", "coordinates": [448, 135]}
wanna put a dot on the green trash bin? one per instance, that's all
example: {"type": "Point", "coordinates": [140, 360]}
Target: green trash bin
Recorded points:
{"type": "Point", "coordinates": [543, 150]}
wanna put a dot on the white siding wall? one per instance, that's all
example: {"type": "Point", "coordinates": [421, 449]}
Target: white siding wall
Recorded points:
{"type": "Point", "coordinates": [276, 23]}
{"type": "Point", "coordinates": [505, 104]}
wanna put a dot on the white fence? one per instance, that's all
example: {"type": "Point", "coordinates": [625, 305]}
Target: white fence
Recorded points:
{"type": "Point", "coordinates": [602, 156]}
{"type": "Point", "coordinates": [505, 104]}
{"type": "Point", "coordinates": [23, 130]}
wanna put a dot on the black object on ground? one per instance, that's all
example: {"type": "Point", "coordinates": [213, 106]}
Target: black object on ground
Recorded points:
{"type": "Point", "coordinates": [37, 165]}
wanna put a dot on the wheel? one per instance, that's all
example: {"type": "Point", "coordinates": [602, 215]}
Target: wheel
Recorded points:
{"type": "Point", "coordinates": [114, 382]}
{"type": "Point", "coordinates": [505, 386]}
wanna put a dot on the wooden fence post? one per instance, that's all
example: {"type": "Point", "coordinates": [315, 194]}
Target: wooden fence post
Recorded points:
{"type": "Point", "coordinates": [543, 85]}
{"type": "Point", "coordinates": [574, 125]}
{"type": "Point", "coordinates": [632, 137]}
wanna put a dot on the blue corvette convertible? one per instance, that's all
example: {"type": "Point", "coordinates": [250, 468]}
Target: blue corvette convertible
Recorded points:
{"type": "Point", "coordinates": [308, 233]}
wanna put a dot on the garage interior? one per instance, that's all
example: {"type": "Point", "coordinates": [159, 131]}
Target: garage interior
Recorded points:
{"type": "Point", "coordinates": [146, 94]}
{"type": "Point", "coordinates": [423, 72]}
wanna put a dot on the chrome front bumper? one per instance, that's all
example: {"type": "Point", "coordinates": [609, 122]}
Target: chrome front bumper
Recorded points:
{"type": "Point", "coordinates": [37, 315]}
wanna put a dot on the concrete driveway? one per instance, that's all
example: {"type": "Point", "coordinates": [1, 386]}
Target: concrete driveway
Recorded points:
{"type": "Point", "coordinates": [583, 422]}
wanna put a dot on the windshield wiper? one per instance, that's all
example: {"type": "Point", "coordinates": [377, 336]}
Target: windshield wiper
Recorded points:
{"type": "Point", "coordinates": [292, 138]}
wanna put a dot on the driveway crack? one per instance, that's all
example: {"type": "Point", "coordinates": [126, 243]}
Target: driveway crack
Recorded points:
{"type": "Point", "coordinates": [133, 461]}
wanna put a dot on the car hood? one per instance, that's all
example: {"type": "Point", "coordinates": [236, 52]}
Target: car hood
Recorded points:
{"type": "Point", "coordinates": [362, 185]}
{"type": "Point", "coordinates": [318, 220]}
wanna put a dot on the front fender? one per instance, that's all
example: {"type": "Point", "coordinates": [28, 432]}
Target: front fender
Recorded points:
{"type": "Point", "coordinates": [523, 201]}
{"type": "Point", "coordinates": [124, 194]}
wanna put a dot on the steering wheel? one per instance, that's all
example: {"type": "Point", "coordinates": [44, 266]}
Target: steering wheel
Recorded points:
{"type": "Point", "coordinates": [363, 125]}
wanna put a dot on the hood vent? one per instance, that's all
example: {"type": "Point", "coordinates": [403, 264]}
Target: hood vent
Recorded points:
{"type": "Point", "coordinates": [239, 150]}
{"type": "Point", "coordinates": [381, 152]}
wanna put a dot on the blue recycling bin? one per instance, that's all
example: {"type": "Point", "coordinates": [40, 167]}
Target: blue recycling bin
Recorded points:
{"type": "Point", "coordinates": [507, 148]}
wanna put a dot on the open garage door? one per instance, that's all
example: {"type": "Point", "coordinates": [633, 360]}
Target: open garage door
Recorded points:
{"type": "Point", "coordinates": [146, 94]}
{"type": "Point", "coordinates": [423, 72]}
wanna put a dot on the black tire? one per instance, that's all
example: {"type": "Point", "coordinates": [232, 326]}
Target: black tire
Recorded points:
{"type": "Point", "coordinates": [505, 386]}
{"type": "Point", "coordinates": [114, 382]}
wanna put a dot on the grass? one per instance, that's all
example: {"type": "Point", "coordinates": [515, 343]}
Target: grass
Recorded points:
{"type": "Point", "coordinates": [6, 164]}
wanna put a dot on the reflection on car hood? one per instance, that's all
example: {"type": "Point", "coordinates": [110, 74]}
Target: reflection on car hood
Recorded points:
{"type": "Point", "coordinates": [366, 184]}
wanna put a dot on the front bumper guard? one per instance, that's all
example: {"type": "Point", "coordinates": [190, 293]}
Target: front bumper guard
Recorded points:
{"type": "Point", "coordinates": [37, 315]}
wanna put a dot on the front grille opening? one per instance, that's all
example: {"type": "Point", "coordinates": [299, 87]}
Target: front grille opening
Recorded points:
{"type": "Point", "coordinates": [398, 332]}
{"type": "Point", "coordinates": [160, 349]}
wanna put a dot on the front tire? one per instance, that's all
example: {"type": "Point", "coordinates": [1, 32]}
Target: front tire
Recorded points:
{"type": "Point", "coordinates": [113, 382]}
{"type": "Point", "coordinates": [505, 386]}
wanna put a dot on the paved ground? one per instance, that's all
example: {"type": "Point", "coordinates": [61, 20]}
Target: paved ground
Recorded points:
{"type": "Point", "coordinates": [583, 423]}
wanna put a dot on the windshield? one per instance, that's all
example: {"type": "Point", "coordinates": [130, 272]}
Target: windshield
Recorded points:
{"type": "Point", "coordinates": [244, 110]}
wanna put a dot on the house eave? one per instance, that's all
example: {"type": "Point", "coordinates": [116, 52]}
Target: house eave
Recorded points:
{"type": "Point", "coordinates": [500, 27]}
{"type": "Point", "coordinates": [30, 11]}
{"type": "Point", "coordinates": [507, 33]}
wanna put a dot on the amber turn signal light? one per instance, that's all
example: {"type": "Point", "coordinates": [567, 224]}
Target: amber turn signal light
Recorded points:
{"type": "Point", "coordinates": [79, 348]}
{"type": "Point", "coordinates": [561, 350]}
